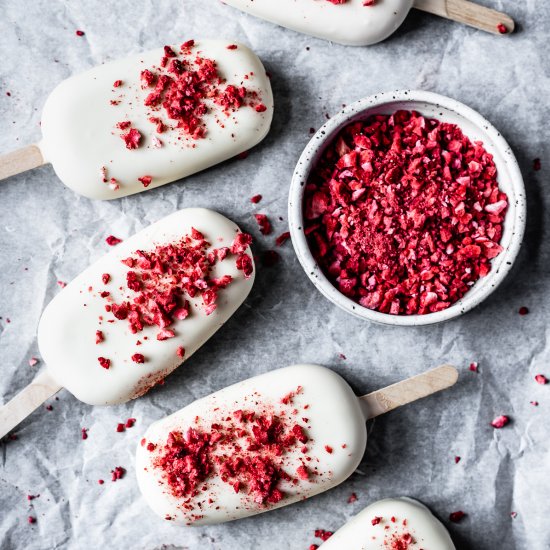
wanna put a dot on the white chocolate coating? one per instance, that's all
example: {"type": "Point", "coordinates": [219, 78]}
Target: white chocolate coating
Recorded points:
{"type": "Point", "coordinates": [66, 334]}
{"type": "Point", "coordinates": [425, 530]}
{"type": "Point", "coordinates": [80, 135]}
{"type": "Point", "coordinates": [335, 418]}
{"type": "Point", "coordinates": [351, 23]}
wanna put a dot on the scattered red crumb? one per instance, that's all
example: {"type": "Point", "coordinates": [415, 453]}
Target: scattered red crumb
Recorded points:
{"type": "Point", "coordinates": [33, 361]}
{"type": "Point", "coordinates": [263, 223]}
{"type": "Point", "coordinates": [180, 352]}
{"type": "Point", "coordinates": [100, 481]}
{"type": "Point", "coordinates": [256, 199]}
{"type": "Point", "coordinates": [313, 547]}
{"type": "Point", "coordinates": [232, 47]}
{"type": "Point", "coordinates": [328, 449]}
{"type": "Point", "coordinates": [138, 358]}
{"type": "Point", "coordinates": [243, 155]}
{"type": "Point", "coordinates": [120, 427]}
{"type": "Point", "coordinates": [124, 125]}
{"type": "Point", "coordinates": [403, 213]}
{"type": "Point", "coordinates": [117, 473]}
{"type": "Point", "coordinates": [31, 519]}
{"type": "Point", "coordinates": [523, 310]}
{"type": "Point", "coordinates": [61, 284]}
{"type": "Point", "coordinates": [536, 164]}
{"type": "Point", "coordinates": [474, 366]}
{"type": "Point", "coordinates": [49, 408]}
{"type": "Point", "coordinates": [111, 240]}
{"type": "Point", "coordinates": [322, 534]}
{"type": "Point", "coordinates": [132, 139]}
{"type": "Point", "coordinates": [457, 459]}
{"type": "Point", "coordinates": [302, 472]}
{"type": "Point", "coordinates": [99, 337]}
{"type": "Point", "coordinates": [105, 278]}
{"type": "Point", "coordinates": [352, 498]}
{"type": "Point", "coordinates": [260, 108]}
{"type": "Point", "coordinates": [84, 433]}
{"type": "Point", "coordinates": [32, 497]}
{"type": "Point", "coordinates": [455, 517]}
{"type": "Point", "coordinates": [282, 238]}
{"type": "Point", "coordinates": [117, 83]}
{"type": "Point", "coordinates": [80, 33]}
{"type": "Point", "coordinates": [145, 180]}
{"type": "Point", "coordinates": [513, 515]}
{"type": "Point", "coordinates": [376, 520]}
{"type": "Point", "coordinates": [500, 421]}
{"type": "Point", "coordinates": [502, 28]}
{"type": "Point", "coordinates": [130, 422]}
{"type": "Point", "coordinates": [534, 403]}
{"type": "Point", "coordinates": [541, 379]}
{"type": "Point", "coordinates": [105, 363]}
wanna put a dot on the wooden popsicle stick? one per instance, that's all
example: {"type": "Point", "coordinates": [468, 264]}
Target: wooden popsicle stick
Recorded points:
{"type": "Point", "coordinates": [20, 161]}
{"type": "Point", "coordinates": [407, 391]}
{"type": "Point", "coordinates": [26, 401]}
{"type": "Point", "coordinates": [469, 13]}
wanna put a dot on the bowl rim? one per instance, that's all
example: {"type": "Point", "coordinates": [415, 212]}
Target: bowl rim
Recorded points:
{"type": "Point", "coordinates": [319, 141]}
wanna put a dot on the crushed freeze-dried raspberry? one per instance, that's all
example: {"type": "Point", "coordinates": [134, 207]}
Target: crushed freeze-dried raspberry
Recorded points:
{"type": "Point", "coordinates": [125, 124]}
{"type": "Point", "coordinates": [84, 433]}
{"type": "Point", "coordinates": [232, 47]}
{"type": "Point", "coordinates": [474, 366]}
{"type": "Point", "coordinates": [31, 519]}
{"type": "Point", "coordinates": [352, 498]}
{"type": "Point", "coordinates": [138, 358]}
{"type": "Point", "coordinates": [282, 238]}
{"type": "Point", "coordinates": [256, 199]}
{"type": "Point", "coordinates": [322, 534]}
{"type": "Point", "coordinates": [100, 481]}
{"type": "Point", "coordinates": [513, 515]}
{"type": "Point", "coordinates": [534, 403]}
{"type": "Point", "coordinates": [455, 517]}
{"type": "Point", "coordinates": [457, 459]}
{"type": "Point", "coordinates": [261, 108]}
{"type": "Point", "coordinates": [500, 421]}
{"type": "Point", "coordinates": [120, 427]}
{"type": "Point", "coordinates": [105, 278]}
{"type": "Point", "coordinates": [99, 337]}
{"type": "Point", "coordinates": [33, 361]}
{"type": "Point", "coordinates": [541, 379]}
{"type": "Point", "coordinates": [180, 352]}
{"type": "Point", "coordinates": [328, 449]}
{"type": "Point", "coordinates": [111, 240]}
{"type": "Point", "coordinates": [80, 33]}
{"type": "Point", "coordinates": [61, 284]}
{"type": "Point", "coordinates": [130, 422]}
{"type": "Point", "coordinates": [502, 28]}
{"type": "Point", "coordinates": [376, 520]}
{"type": "Point", "coordinates": [49, 408]}
{"type": "Point", "coordinates": [404, 213]}
{"type": "Point", "coordinates": [145, 180]}
{"type": "Point", "coordinates": [263, 223]}
{"type": "Point", "coordinates": [313, 547]}
{"type": "Point", "coordinates": [132, 139]}
{"type": "Point", "coordinates": [117, 473]}
{"type": "Point", "coordinates": [523, 310]}
{"type": "Point", "coordinates": [536, 164]}
{"type": "Point", "coordinates": [117, 83]}
{"type": "Point", "coordinates": [105, 363]}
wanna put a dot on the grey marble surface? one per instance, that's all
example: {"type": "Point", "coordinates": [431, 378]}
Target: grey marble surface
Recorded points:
{"type": "Point", "coordinates": [47, 233]}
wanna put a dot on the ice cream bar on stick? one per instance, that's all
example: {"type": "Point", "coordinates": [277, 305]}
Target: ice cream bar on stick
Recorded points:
{"type": "Point", "coordinates": [135, 315]}
{"type": "Point", "coordinates": [266, 442]}
{"type": "Point", "coordinates": [151, 119]}
{"type": "Point", "coordinates": [401, 523]}
{"type": "Point", "coordinates": [365, 22]}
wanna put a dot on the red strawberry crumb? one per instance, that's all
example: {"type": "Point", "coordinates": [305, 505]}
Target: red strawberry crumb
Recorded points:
{"type": "Point", "coordinates": [111, 240]}
{"type": "Point", "coordinates": [188, 44]}
{"type": "Point", "coordinates": [322, 534]}
{"type": "Point", "coordinates": [49, 408]}
{"type": "Point", "coordinates": [541, 379]}
{"type": "Point", "coordinates": [84, 433]}
{"type": "Point", "coordinates": [151, 447]}
{"type": "Point", "coordinates": [328, 449]}
{"type": "Point", "coordinates": [130, 422]}
{"type": "Point", "coordinates": [232, 47]}
{"type": "Point", "coordinates": [502, 28]}
{"type": "Point", "coordinates": [500, 421]}
{"type": "Point", "coordinates": [376, 520]}
{"type": "Point", "coordinates": [523, 310]}
{"type": "Point", "coordinates": [513, 515]}
{"type": "Point", "coordinates": [243, 155]}
{"type": "Point", "coordinates": [282, 238]}
{"type": "Point", "coordinates": [61, 284]}
{"type": "Point", "coordinates": [32, 497]}
{"type": "Point", "coordinates": [80, 33]}
{"type": "Point", "coordinates": [474, 366]}
{"type": "Point", "coordinates": [313, 547]}
{"type": "Point", "coordinates": [100, 481]}
{"type": "Point", "coordinates": [105, 278]}
{"type": "Point", "coordinates": [117, 83]}
{"type": "Point", "coordinates": [145, 180]}
{"type": "Point", "coordinates": [536, 164]}
{"type": "Point", "coordinates": [368, 222]}
{"type": "Point", "coordinates": [33, 361]}
{"type": "Point", "coordinates": [31, 519]}
{"type": "Point", "coordinates": [352, 498]}
{"type": "Point", "coordinates": [534, 403]}
{"type": "Point", "coordinates": [132, 139]}
{"type": "Point", "coordinates": [261, 108]}
{"type": "Point", "coordinates": [138, 358]}
{"type": "Point", "coordinates": [457, 459]}
{"type": "Point", "coordinates": [105, 363]}
{"type": "Point", "coordinates": [180, 352]}
{"type": "Point", "coordinates": [302, 472]}
{"type": "Point", "coordinates": [256, 199]}
{"type": "Point", "coordinates": [455, 517]}
{"type": "Point", "coordinates": [117, 473]}
{"type": "Point", "coordinates": [99, 337]}
{"type": "Point", "coordinates": [263, 223]}
{"type": "Point", "coordinates": [120, 427]}
{"type": "Point", "coordinates": [125, 124]}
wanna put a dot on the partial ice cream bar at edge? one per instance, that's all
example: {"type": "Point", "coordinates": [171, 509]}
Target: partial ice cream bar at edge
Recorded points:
{"type": "Point", "coordinates": [365, 22]}
{"type": "Point", "coordinates": [400, 523]}
{"type": "Point", "coordinates": [136, 314]}
{"type": "Point", "coordinates": [138, 123]}
{"type": "Point", "coordinates": [266, 442]}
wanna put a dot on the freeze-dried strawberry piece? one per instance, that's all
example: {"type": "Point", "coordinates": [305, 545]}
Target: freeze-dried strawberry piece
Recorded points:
{"type": "Point", "coordinates": [244, 264]}
{"type": "Point", "coordinates": [232, 47]}
{"type": "Point", "coordinates": [474, 366]}
{"type": "Point", "coordinates": [105, 278]}
{"type": "Point", "coordinates": [148, 78]}
{"type": "Point", "coordinates": [105, 363]}
{"type": "Point", "coordinates": [145, 180]}
{"type": "Point", "coordinates": [111, 240]}
{"type": "Point", "coordinates": [117, 473]}
{"type": "Point", "coordinates": [241, 243]}
{"type": "Point", "coordinates": [302, 472]}
{"type": "Point", "coordinates": [99, 337]}
{"type": "Point", "coordinates": [123, 125]}
{"type": "Point", "coordinates": [117, 83]}
{"type": "Point", "coordinates": [256, 199]}
{"type": "Point", "coordinates": [457, 516]}
{"type": "Point", "coordinates": [263, 223]}
{"type": "Point", "coordinates": [322, 534]}
{"type": "Point", "coordinates": [500, 421]}
{"type": "Point", "coordinates": [376, 520]}
{"type": "Point", "coordinates": [523, 310]}
{"type": "Point", "coordinates": [132, 139]}
{"type": "Point", "coordinates": [138, 358]}
{"type": "Point", "coordinates": [282, 238]}
{"type": "Point", "coordinates": [502, 28]}
{"type": "Point", "coordinates": [541, 379]}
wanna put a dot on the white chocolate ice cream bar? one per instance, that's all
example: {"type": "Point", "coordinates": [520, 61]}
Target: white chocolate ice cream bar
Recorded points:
{"type": "Point", "coordinates": [86, 117]}
{"type": "Point", "coordinates": [103, 358]}
{"type": "Point", "coordinates": [392, 523]}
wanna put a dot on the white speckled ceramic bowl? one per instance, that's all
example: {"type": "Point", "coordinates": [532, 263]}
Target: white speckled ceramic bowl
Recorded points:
{"type": "Point", "coordinates": [476, 128]}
